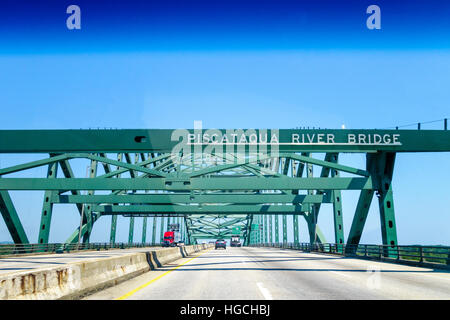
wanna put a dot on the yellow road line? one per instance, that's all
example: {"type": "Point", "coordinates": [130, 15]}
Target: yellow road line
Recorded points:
{"type": "Point", "coordinates": [125, 296]}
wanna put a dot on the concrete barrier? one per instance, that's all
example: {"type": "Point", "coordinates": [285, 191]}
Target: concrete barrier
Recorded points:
{"type": "Point", "coordinates": [74, 280]}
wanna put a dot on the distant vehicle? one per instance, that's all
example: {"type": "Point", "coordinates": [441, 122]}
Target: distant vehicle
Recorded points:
{"type": "Point", "coordinates": [221, 244]}
{"type": "Point", "coordinates": [171, 239]}
{"type": "Point", "coordinates": [235, 241]}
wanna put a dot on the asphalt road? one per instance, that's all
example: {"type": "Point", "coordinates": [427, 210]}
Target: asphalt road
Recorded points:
{"type": "Point", "coordinates": [267, 273]}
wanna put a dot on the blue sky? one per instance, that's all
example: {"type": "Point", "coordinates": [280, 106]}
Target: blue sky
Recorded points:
{"type": "Point", "coordinates": [246, 64]}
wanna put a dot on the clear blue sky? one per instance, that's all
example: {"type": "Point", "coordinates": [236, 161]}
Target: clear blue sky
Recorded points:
{"type": "Point", "coordinates": [253, 65]}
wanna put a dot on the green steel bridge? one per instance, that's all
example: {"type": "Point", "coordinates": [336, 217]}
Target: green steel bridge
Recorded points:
{"type": "Point", "coordinates": [214, 183]}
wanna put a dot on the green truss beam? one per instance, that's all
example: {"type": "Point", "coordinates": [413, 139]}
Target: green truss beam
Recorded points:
{"type": "Point", "coordinates": [160, 140]}
{"type": "Point", "coordinates": [12, 219]}
{"type": "Point", "coordinates": [244, 183]}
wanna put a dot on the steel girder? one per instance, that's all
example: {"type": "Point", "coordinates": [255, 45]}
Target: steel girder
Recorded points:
{"type": "Point", "coordinates": [12, 219]}
{"type": "Point", "coordinates": [161, 140]}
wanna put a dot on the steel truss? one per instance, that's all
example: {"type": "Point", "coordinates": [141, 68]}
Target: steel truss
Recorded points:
{"type": "Point", "coordinates": [208, 196]}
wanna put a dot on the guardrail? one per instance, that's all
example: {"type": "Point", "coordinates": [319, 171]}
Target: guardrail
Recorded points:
{"type": "Point", "coordinates": [420, 255]}
{"type": "Point", "coordinates": [14, 249]}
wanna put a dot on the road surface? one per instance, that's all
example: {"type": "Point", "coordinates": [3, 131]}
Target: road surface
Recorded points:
{"type": "Point", "coordinates": [268, 273]}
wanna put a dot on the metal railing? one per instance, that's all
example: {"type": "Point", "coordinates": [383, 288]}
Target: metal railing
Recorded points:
{"type": "Point", "coordinates": [14, 249]}
{"type": "Point", "coordinates": [439, 255]}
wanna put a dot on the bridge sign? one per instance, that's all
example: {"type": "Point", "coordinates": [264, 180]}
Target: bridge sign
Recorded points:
{"type": "Point", "coordinates": [236, 231]}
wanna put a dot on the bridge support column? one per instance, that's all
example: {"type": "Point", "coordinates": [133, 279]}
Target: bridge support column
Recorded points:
{"type": "Point", "coordinates": [154, 230]}
{"type": "Point", "coordinates": [12, 219]}
{"type": "Point", "coordinates": [270, 229]}
{"type": "Point", "coordinates": [386, 202]}
{"type": "Point", "coordinates": [284, 229]}
{"type": "Point", "coordinates": [258, 230]}
{"type": "Point", "coordinates": [131, 231]}
{"type": "Point", "coordinates": [47, 207]}
{"type": "Point", "coordinates": [144, 230]}
{"type": "Point", "coordinates": [277, 231]}
{"type": "Point", "coordinates": [312, 225]}
{"type": "Point", "coordinates": [338, 219]}
{"type": "Point", "coordinates": [258, 234]}
{"type": "Point", "coordinates": [296, 231]}
{"type": "Point", "coordinates": [112, 237]}
{"type": "Point", "coordinates": [88, 210]}
{"type": "Point", "coordinates": [161, 229]}
{"type": "Point", "coordinates": [266, 227]}
{"type": "Point", "coordinates": [311, 217]}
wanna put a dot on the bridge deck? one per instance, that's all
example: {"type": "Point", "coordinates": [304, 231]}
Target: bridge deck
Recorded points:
{"type": "Point", "coordinates": [268, 273]}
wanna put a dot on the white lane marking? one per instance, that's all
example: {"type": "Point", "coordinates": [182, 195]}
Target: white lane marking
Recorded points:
{"type": "Point", "coordinates": [341, 274]}
{"type": "Point", "coordinates": [434, 276]}
{"type": "Point", "coordinates": [265, 292]}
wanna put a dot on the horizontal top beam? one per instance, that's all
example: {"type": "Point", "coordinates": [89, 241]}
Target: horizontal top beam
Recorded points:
{"type": "Point", "coordinates": [244, 183]}
{"type": "Point", "coordinates": [164, 140]}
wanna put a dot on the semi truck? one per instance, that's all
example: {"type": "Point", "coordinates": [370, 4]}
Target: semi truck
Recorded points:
{"type": "Point", "coordinates": [235, 241]}
{"type": "Point", "coordinates": [171, 239]}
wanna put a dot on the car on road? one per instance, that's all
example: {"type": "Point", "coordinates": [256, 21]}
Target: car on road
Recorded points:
{"type": "Point", "coordinates": [235, 241]}
{"type": "Point", "coordinates": [221, 243]}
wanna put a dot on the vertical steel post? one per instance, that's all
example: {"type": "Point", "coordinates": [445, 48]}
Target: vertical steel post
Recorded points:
{"type": "Point", "coordinates": [270, 229]}
{"type": "Point", "coordinates": [88, 210]}
{"type": "Point", "coordinates": [47, 207]}
{"type": "Point", "coordinates": [337, 208]}
{"type": "Point", "coordinates": [112, 237]}
{"type": "Point", "coordinates": [154, 230]}
{"type": "Point", "coordinates": [284, 229]}
{"type": "Point", "coordinates": [258, 232]}
{"type": "Point", "coordinates": [277, 231]}
{"type": "Point", "coordinates": [144, 230]}
{"type": "Point", "coordinates": [386, 202]}
{"type": "Point", "coordinates": [161, 227]}
{"type": "Point", "coordinates": [296, 232]}
{"type": "Point", "coordinates": [131, 231]}
{"type": "Point", "coordinates": [261, 219]}
{"type": "Point", "coordinates": [181, 228]}
{"type": "Point", "coordinates": [266, 227]}
{"type": "Point", "coordinates": [311, 219]}
{"type": "Point", "coordinates": [337, 214]}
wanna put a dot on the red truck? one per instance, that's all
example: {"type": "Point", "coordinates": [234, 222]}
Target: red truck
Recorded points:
{"type": "Point", "coordinates": [171, 239]}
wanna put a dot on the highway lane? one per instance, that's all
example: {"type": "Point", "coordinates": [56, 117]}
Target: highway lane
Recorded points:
{"type": "Point", "coordinates": [269, 273]}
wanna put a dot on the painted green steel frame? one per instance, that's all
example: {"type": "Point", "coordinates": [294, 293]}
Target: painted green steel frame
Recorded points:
{"type": "Point", "coordinates": [193, 184]}
{"type": "Point", "coordinates": [12, 219]}
{"type": "Point", "coordinates": [47, 207]}
{"type": "Point", "coordinates": [144, 230]}
{"type": "Point", "coordinates": [160, 140]}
